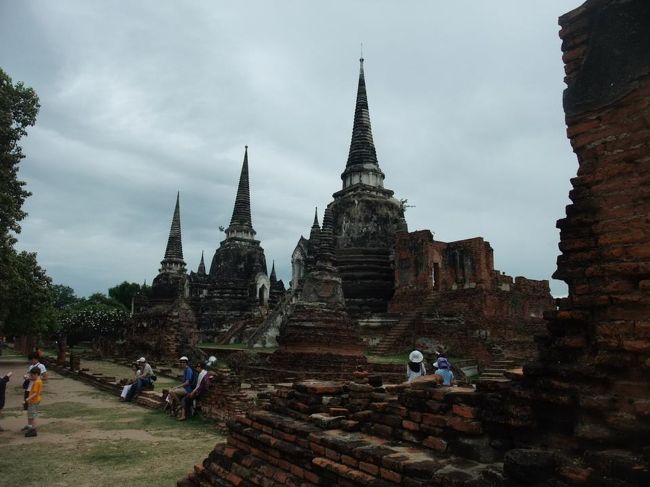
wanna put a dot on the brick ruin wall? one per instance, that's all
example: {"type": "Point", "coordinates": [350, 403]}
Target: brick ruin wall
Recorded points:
{"type": "Point", "coordinates": [580, 414]}
{"type": "Point", "coordinates": [592, 384]}
{"type": "Point", "coordinates": [164, 330]}
{"type": "Point", "coordinates": [363, 433]}
{"type": "Point", "coordinates": [458, 279]}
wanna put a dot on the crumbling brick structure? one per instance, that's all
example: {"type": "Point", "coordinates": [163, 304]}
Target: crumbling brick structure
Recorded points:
{"type": "Point", "coordinates": [457, 279]}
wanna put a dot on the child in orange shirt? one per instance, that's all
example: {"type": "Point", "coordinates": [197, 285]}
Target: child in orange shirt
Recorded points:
{"type": "Point", "coordinates": [33, 400]}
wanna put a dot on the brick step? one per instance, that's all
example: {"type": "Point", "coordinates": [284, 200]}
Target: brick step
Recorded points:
{"type": "Point", "coordinates": [362, 458]}
{"type": "Point", "coordinates": [228, 466]}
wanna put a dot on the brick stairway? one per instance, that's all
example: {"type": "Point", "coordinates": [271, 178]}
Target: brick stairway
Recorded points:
{"type": "Point", "coordinates": [500, 364]}
{"type": "Point", "coordinates": [497, 368]}
{"type": "Point", "coordinates": [391, 340]}
{"type": "Point", "coordinates": [398, 339]}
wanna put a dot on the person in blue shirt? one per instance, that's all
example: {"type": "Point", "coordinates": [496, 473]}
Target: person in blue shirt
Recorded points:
{"type": "Point", "coordinates": [177, 393]}
{"type": "Point", "coordinates": [444, 371]}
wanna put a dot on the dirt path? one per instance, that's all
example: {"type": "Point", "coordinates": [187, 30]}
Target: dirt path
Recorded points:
{"type": "Point", "coordinates": [87, 437]}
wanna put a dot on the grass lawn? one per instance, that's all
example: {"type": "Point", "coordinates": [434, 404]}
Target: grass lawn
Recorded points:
{"type": "Point", "coordinates": [397, 358]}
{"type": "Point", "coordinates": [88, 438]}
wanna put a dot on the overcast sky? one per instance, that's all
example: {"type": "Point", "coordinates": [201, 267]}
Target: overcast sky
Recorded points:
{"type": "Point", "coordinates": [141, 99]}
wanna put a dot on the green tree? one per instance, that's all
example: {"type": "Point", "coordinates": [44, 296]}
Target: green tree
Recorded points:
{"type": "Point", "coordinates": [25, 294]}
{"type": "Point", "coordinates": [101, 298]}
{"type": "Point", "coordinates": [125, 292]}
{"type": "Point", "coordinates": [18, 109]}
{"type": "Point", "coordinates": [63, 296]}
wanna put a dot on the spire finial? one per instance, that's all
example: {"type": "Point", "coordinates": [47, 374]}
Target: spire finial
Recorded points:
{"type": "Point", "coordinates": [361, 58]}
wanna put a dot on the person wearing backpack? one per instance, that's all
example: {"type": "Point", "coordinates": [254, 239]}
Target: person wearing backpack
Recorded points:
{"type": "Point", "coordinates": [188, 385]}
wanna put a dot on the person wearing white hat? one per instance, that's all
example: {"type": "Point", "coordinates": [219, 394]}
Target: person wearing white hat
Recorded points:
{"type": "Point", "coordinates": [415, 367]}
{"type": "Point", "coordinates": [142, 378]}
{"type": "Point", "coordinates": [177, 393]}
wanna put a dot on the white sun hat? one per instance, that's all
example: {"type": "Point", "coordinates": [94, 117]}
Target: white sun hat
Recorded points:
{"type": "Point", "coordinates": [142, 359]}
{"type": "Point", "coordinates": [416, 356]}
{"type": "Point", "coordinates": [183, 359]}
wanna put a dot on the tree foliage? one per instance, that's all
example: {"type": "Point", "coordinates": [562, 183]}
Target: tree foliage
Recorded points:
{"type": "Point", "coordinates": [18, 108]}
{"type": "Point", "coordinates": [125, 292]}
{"type": "Point", "coordinates": [25, 294]}
{"type": "Point", "coordinates": [87, 320]}
{"type": "Point", "coordinates": [63, 296]}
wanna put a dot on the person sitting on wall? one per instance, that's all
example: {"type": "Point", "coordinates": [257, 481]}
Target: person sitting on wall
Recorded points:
{"type": "Point", "coordinates": [177, 393]}
{"type": "Point", "coordinates": [200, 389]}
{"type": "Point", "coordinates": [415, 367]}
{"type": "Point", "coordinates": [143, 378]}
{"type": "Point", "coordinates": [444, 371]}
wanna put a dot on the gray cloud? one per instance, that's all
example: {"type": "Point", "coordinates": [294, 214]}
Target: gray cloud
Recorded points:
{"type": "Point", "coordinates": [140, 100]}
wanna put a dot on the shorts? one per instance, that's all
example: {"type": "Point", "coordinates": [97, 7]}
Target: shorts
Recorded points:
{"type": "Point", "coordinates": [32, 411]}
{"type": "Point", "coordinates": [179, 391]}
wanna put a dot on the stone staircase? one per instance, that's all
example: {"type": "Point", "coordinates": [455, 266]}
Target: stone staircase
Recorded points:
{"type": "Point", "coordinates": [394, 340]}
{"type": "Point", "coordinates": [500, 363]}
{"type": "Point", "coordinates": [391, 340]}
{"type": "Point", "coordinates": [266, 334]}
{"type": "Point", "coordinates": [496, 369]}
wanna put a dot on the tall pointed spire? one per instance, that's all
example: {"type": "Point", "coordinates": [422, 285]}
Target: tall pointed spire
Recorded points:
{"type": "Point", "coordinates": [314, 234]}
{"type": "Point", "coordinates": [362, 166]}
{"type": "Point", "coordinates": [362, 147]}
{"type": "Point", "coordinates": [273, 277]}
{"type": "Point", "coordinates": [173, 260]}
{"type": "Point", "coordinates": [201, 269]}
{"type": "Point", "coordinates": [316, 224]}
{"type": "Point", "coordinates": [241, 224]}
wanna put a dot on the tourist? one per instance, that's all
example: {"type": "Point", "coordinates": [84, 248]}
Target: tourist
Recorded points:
{"type": "Point", "coordinates": [444, 371]}
{"type": "Point", "coordinates": [198, 390]}
{"type": "Point", "coordinates": [143, 377]}
{"type": "Point", "coordinates": [202, 383]}
{"type": "Point", "coordinates": [185, 388]}
{"type": "Point", "coordinates": [33, 401]}
{"type": "Point", "coordinates": [33, 362]}
{"type": "Point", "coordinates": [3, 388]}
{"type": "Point", "coordinates": [415, 367]}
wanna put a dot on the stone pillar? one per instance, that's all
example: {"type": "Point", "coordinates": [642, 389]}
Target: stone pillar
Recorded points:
{"type": "Point", "coordinates": [61, 350]}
